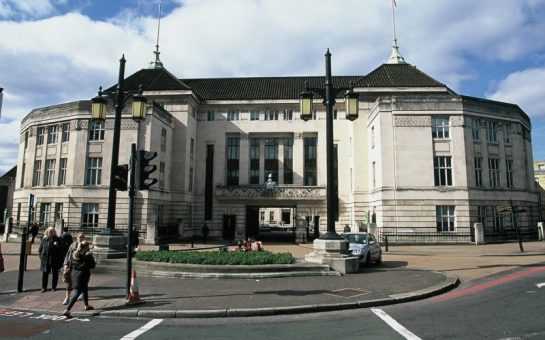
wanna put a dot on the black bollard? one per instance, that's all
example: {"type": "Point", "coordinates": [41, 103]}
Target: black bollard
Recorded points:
{"type": "Point", "coordinates": [22, 258]}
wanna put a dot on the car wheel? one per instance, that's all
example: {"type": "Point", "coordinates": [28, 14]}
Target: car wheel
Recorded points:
{"type": "Point", "coordinates": [379, 260]}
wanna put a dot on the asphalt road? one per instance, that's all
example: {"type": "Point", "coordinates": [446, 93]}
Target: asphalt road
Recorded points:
{"type": "Point", "coordinates": [504, 306]}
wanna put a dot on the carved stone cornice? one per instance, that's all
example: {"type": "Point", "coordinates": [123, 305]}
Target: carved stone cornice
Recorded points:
{"type": "Point", "coordinates": [253, 193]}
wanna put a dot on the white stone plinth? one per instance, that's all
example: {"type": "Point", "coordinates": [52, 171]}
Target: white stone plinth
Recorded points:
{"type": "Point", "coordinates": [112, 246]}
{"type": "Point", "coordinates": [335, 254]}
{"type": "Point", "coordinates": [479, 233]}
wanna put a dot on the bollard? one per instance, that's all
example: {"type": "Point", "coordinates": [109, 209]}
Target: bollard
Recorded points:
{"type": "Point", "coordinates": [22, 258]}
{"type": "Point", "coordinates": [192, 241]}
{"type": "Point", "coordinates": [386, 243]}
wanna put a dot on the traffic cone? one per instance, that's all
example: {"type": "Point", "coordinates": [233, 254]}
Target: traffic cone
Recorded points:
{"type": "Point", "coordinates": [134, 296]}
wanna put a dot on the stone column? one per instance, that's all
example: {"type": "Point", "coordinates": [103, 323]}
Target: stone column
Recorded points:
{"type": "Point", "coordinates": [541, 231]}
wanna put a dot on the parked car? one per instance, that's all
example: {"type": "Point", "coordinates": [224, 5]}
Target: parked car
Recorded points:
{"type": "Point", "coordinates": [264, 227]}
{"type": "Point", "coordinates": [365, 246]}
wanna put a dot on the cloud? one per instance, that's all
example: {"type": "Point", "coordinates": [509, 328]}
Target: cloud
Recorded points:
{"type": "Point", "coordinates": [25, 9]}
{"type": "Point", "coordinates": [524, 88]}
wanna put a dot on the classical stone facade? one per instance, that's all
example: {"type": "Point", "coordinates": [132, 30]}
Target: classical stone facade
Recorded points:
{"type": "Point", "coordinates": [419, 157]}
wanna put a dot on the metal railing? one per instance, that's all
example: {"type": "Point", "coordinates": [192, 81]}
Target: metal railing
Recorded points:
{"type": "Point", "coordinates": [423, 236]}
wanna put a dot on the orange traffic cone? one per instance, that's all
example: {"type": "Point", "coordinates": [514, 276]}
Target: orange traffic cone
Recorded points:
{"type": "Point", "coordinates": [134, 296]}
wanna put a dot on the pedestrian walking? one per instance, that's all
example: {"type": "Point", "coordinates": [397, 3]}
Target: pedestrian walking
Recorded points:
{"type": "Point", "coordinates": [81, 263]}
{"type": "Point", "coordinates": [346, 228]}
{"type": "Point", "coordinates": [51, 258]}
{"type": "Point", "coordinates": [33, 231]}
{"type": "Point", "coordinates": [205, 231]}
{"type": "Point", "coordinates": [66, 274]}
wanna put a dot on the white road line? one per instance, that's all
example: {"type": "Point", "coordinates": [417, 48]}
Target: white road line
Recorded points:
{"type": "Point", "coordinates": [394, 324]}
{"type": "Point", "coordinates": [539, 285]}
{"type": "Point", "coordinates": [142, 329]}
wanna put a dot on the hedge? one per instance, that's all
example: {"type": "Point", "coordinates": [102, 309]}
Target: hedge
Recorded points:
{"type": "Point", "coordinates": [216, 257]}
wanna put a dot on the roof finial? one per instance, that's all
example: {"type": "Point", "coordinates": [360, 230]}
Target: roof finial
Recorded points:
{"type": "Point", "coordinates": [157, 63]}
{"type": "Point", "coordinates": [395, 57]}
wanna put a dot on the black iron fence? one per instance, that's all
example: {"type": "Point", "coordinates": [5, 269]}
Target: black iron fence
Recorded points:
{"type": "Point", "coordinates": [499, 235]}
{"type": "Point", "coordinates": [424, 236]}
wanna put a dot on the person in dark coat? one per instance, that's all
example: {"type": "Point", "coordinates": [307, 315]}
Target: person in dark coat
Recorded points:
{"type": "Point", "coordinates": [33, 231]}
{"type": "Point", "coordinates": [346, 228]}
{"type": "Point", "coordinates": [51, 258]}
{"type": "Point", "coordinates": [135, 241]}
{"type": "Point", "coordinates": [66, 275]}
{"type": "Point", "coordinates": [81, 263]}
{"type": "Point", "coordinates": [205, 231]}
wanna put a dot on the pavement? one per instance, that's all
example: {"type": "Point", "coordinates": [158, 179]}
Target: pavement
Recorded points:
{"type": "Point", "coordinates": [408, 273]}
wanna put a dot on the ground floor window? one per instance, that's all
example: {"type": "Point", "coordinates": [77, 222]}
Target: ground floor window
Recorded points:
{"type": "Point", "coordinates": [89, 215]}
{"type": "Point", "coordinates": [45, 214]}
{"type": "Point", "coordinates": [445, 217]}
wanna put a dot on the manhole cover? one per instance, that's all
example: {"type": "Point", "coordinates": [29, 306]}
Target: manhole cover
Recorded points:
{"type": "Point", "coordinates": [348, 292]}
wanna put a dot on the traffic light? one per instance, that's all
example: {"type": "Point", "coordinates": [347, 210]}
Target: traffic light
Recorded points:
{"type": "Point", "coordinates": [144, 169]}
{"type": "Point", "coordinates": [121, 173]}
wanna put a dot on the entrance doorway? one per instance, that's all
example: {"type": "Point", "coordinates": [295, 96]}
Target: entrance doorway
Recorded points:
{"type": "Point", "coordinates": [229, 226]}
{"type": "Point", "coordinates": [271, 223]}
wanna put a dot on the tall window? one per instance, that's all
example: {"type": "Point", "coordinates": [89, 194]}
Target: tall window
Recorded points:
{"type": "Point", "coordinates": [476, 129]}
{"type": "Point", "coordinates": [509, 172]}
{"type": "Point", "coordinates": [163, 139]}
{"type": "Point", "coordinates": [58, 212]}
{"type": "Point", "coordinates": [211, 116]}
{"type": "Point", "coordinates": [494, 172]}
{"type": "Point", "coordinates": [162, 175]}
{"type": "Point", "coordinates": [271, 217]}
{"type": "Point", "coordinates": [443, 170]}
{"type": "Point", "coordinates": [94, 171]}
{"type": "Point", "coordinates": [65, 137]}
{"type": "Point", "coordinates": [491, 128]}
{"type": "Point", "coordinates": [288, 160]}
{"type": "Point", "coordinates": [288, 114]}
{"type": "Point", "coordinates": [254, 160]}
{"type": "Point", "coordinates": [45, 214]}
{"type": "Point", "coordinates": [254, 115]}
{"type": "Point", "coordinates": [445, 217]}
{"type": "Point", "coordinates": [507, 133]}
{"type": "Point", "coordinates": [40, 135]}
{"type": "Point", "coordinates": [232, 115]}
{"type": "Point", "coordinates": [23, 175]}
{"type": "Point", "coordinates": [191, 164]}
{"type": "Point", "coordinates": [271, 115]}
{"type": "Point", "coordinates": [478, 172]}
{"type": "Point", "coordinates": [96, 130]}
{"type": "Point", "coordinates": [89, 215]}
{"type": "Point", "coordinates": [271, 159]}
{"type": "Point", "coordinates": [26, 139]}
{"type": "Point", "coordinates": [62, 171]}
{"type": "Point", "coordinates": [498, 219]}
{"type": "Point", "coordinates": [310, 174]}
{"type": "Point", "coordinates": [481, 214]}
{"type": "Point", "coordinates": [440, 127]}
{"type": "Point", "coordinates": [52, 131]}
{"type": "Point", "coordinates": [36, 179]}
{"type": "Point", "coordinates": [49, 177]}
{"type": "Point", "coordinates": [233, 157]}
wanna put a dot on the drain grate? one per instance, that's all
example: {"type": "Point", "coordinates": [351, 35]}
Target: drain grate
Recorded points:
{"type": "Point", "coordinates": [348, 292]}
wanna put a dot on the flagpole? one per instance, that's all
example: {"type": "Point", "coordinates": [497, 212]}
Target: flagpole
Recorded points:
{"type": "Point", "coordinates": [394, 19]}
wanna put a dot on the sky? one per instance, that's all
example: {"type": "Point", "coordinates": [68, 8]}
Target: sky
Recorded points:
{"type": "Point", "coordinates": [57, 51]}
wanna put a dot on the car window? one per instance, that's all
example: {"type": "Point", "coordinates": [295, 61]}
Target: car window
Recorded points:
{"type": "Point", "coordinates": [355, 238]}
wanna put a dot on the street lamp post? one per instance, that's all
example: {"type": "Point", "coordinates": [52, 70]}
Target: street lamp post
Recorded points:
{"type": "Point", "coordinates": [328, 93]}
{"type": "Point", "coordinates": [98, 112]}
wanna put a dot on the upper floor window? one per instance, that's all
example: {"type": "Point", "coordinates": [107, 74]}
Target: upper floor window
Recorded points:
{"type": "Point", "coordinates": [94, 171]}
{"type": "Point", "coordinates": [288, 114]}
{"type": "Point", "coordinates": [509, 172]}
{"type": "Point", "coordinates": [65, 132]}
{"type": "Point", "coordinates": [232, 115]}
{"type": "Point", "coordinates": [62, 171]}
{"type": "Point", "coordinates": [288, 160]}
{"type": "Point", "coordinates": [211, 116]}
{"type": "Point", "coordinates": [96, 130]}
{"type": "Point", "coordinates": [40, 138]}
{"type": "Point", "coordinates": [476, 129]}
{"type": "Point", "coordinates": [494, 172]}
{"type": "Point", "coordinates": [26, 139]}
{"type": "Point", "coordinates": [254, 115]}
{"type": "Point", "coordinates": [254, 160]}
{"type": "Point", "coordinates": [37, 173]}
{"type": "Point", "coordinates": [271, 115]}
{"type": "Point", "coordinates": [233, 157]}
{"type": "Point", "coordinates": [491, 129]}
{"type": "Point", "coordinates": [443, 170]}
{"type": "Point", "coordinates": [162, 175]}
{"type": "Point", "coordinates": [49, 178]}
{"type": "Point", "coordinates": [507, 133]}
{"type": "Point", "coordinates": [478, 172]}
{"type": "Point", "coordinates": [163, 138]}
{"type": "Point", "coordinates": [310, 164]}
{"type": "Point", "coordinates": [52, 131]}
{"type": "Point", "coordinates": [440, 127]}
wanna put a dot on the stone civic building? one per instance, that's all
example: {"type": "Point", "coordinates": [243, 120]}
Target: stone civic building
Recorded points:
{"type": "Point", "coordinates": [419, 157]}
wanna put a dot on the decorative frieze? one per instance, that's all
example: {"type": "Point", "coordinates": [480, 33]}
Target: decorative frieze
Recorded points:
{"type": "Point", "coordinates": [457, 121]}
{"type": "Point", "coordinates": [284, 193]}
{"type": "Point", "coordinates": [412, 121]}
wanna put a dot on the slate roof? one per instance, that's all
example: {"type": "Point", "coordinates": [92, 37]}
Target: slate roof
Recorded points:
{"type": "Point", "coordinates": [10, 173]}
{"type": "Point", "coordinates": [270, 88]}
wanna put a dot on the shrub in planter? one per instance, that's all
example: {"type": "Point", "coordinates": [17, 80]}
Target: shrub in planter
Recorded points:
{"type": "Point", "coordinates": [216, 258]}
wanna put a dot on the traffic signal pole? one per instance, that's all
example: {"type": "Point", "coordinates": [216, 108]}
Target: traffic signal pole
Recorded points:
{"type": "Point", "coordinates": [131, 216]}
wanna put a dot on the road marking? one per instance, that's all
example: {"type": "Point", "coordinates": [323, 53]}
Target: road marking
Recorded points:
{"type": "Point", "coordinates": [142, 329]}
{"type": "Point", "coordinates": [394, 324]}
{"type": "Point", "coordinates": [539, 285]}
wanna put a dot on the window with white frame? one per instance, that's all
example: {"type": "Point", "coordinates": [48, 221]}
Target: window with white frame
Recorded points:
{"type": "Point", "coordinates": [211, 116]}
{"type": "Point", "coordinates": [40, 138]}
{"type": "Point", "coordinates": [163, 139]}
{"type": "Point", "coordinates": [89, 215]}
{"type": "Point", "coordinates": [232, 115]}
{"type": "Point", "coordinates": [445, 217]}
{"type": "Point", "coordinates": [58, 212]}
{"type": "Point", "coordinates": [36, 179]}
{"type": "Point", "coordinates": [271, 115]}
{"type": "Point", "coordinates": [65, 136]}
{"type": "Point", "coordinates": [478, 172]}
{"type": "Point", "coordinates": [49, 178]}
{"type": "Point", "coordinates": [494, 172]}
{"type": "Point", "coordinates": [96, 130]}
{"type": "Point", "coordinates": [509, 172]}
{"type": "Point", "coordinates": [442, 170]}
{"type": "Point", "coordinates": [507, 133]}
{"type": "Point", "coordinates": [62, 171]}
{"type": "Point", "coordinates": [476, 129]}
{"type": "Point", "coordinates": [491, 131]}
{"type": "Point", "coordinates": [94, 171]}
{"type": "Point", "coordinates": [440, 128]}
{"type": "Point", "coordinates": [498, 218]}
{"type": "Point", "coordinates": [254, 115]}
{"type": "Point", "coordinates": [288, 114]}
{"type": "Point", "coordinates": [45, 214]}
{"type": "Point", "coordinates": [52, 132]}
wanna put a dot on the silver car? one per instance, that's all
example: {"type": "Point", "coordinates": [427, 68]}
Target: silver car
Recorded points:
{"type": "Point", "coordinates": [365, 246]}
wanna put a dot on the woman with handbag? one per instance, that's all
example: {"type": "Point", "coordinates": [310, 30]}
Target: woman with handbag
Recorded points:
{"type": "Point", "coordinates": [66, 275]}
{"type": "Point", "coordinates": [81, 263]}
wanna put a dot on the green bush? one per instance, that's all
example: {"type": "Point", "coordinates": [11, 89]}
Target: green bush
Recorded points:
{"type": "Point", "coordinates": [216, 257]}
